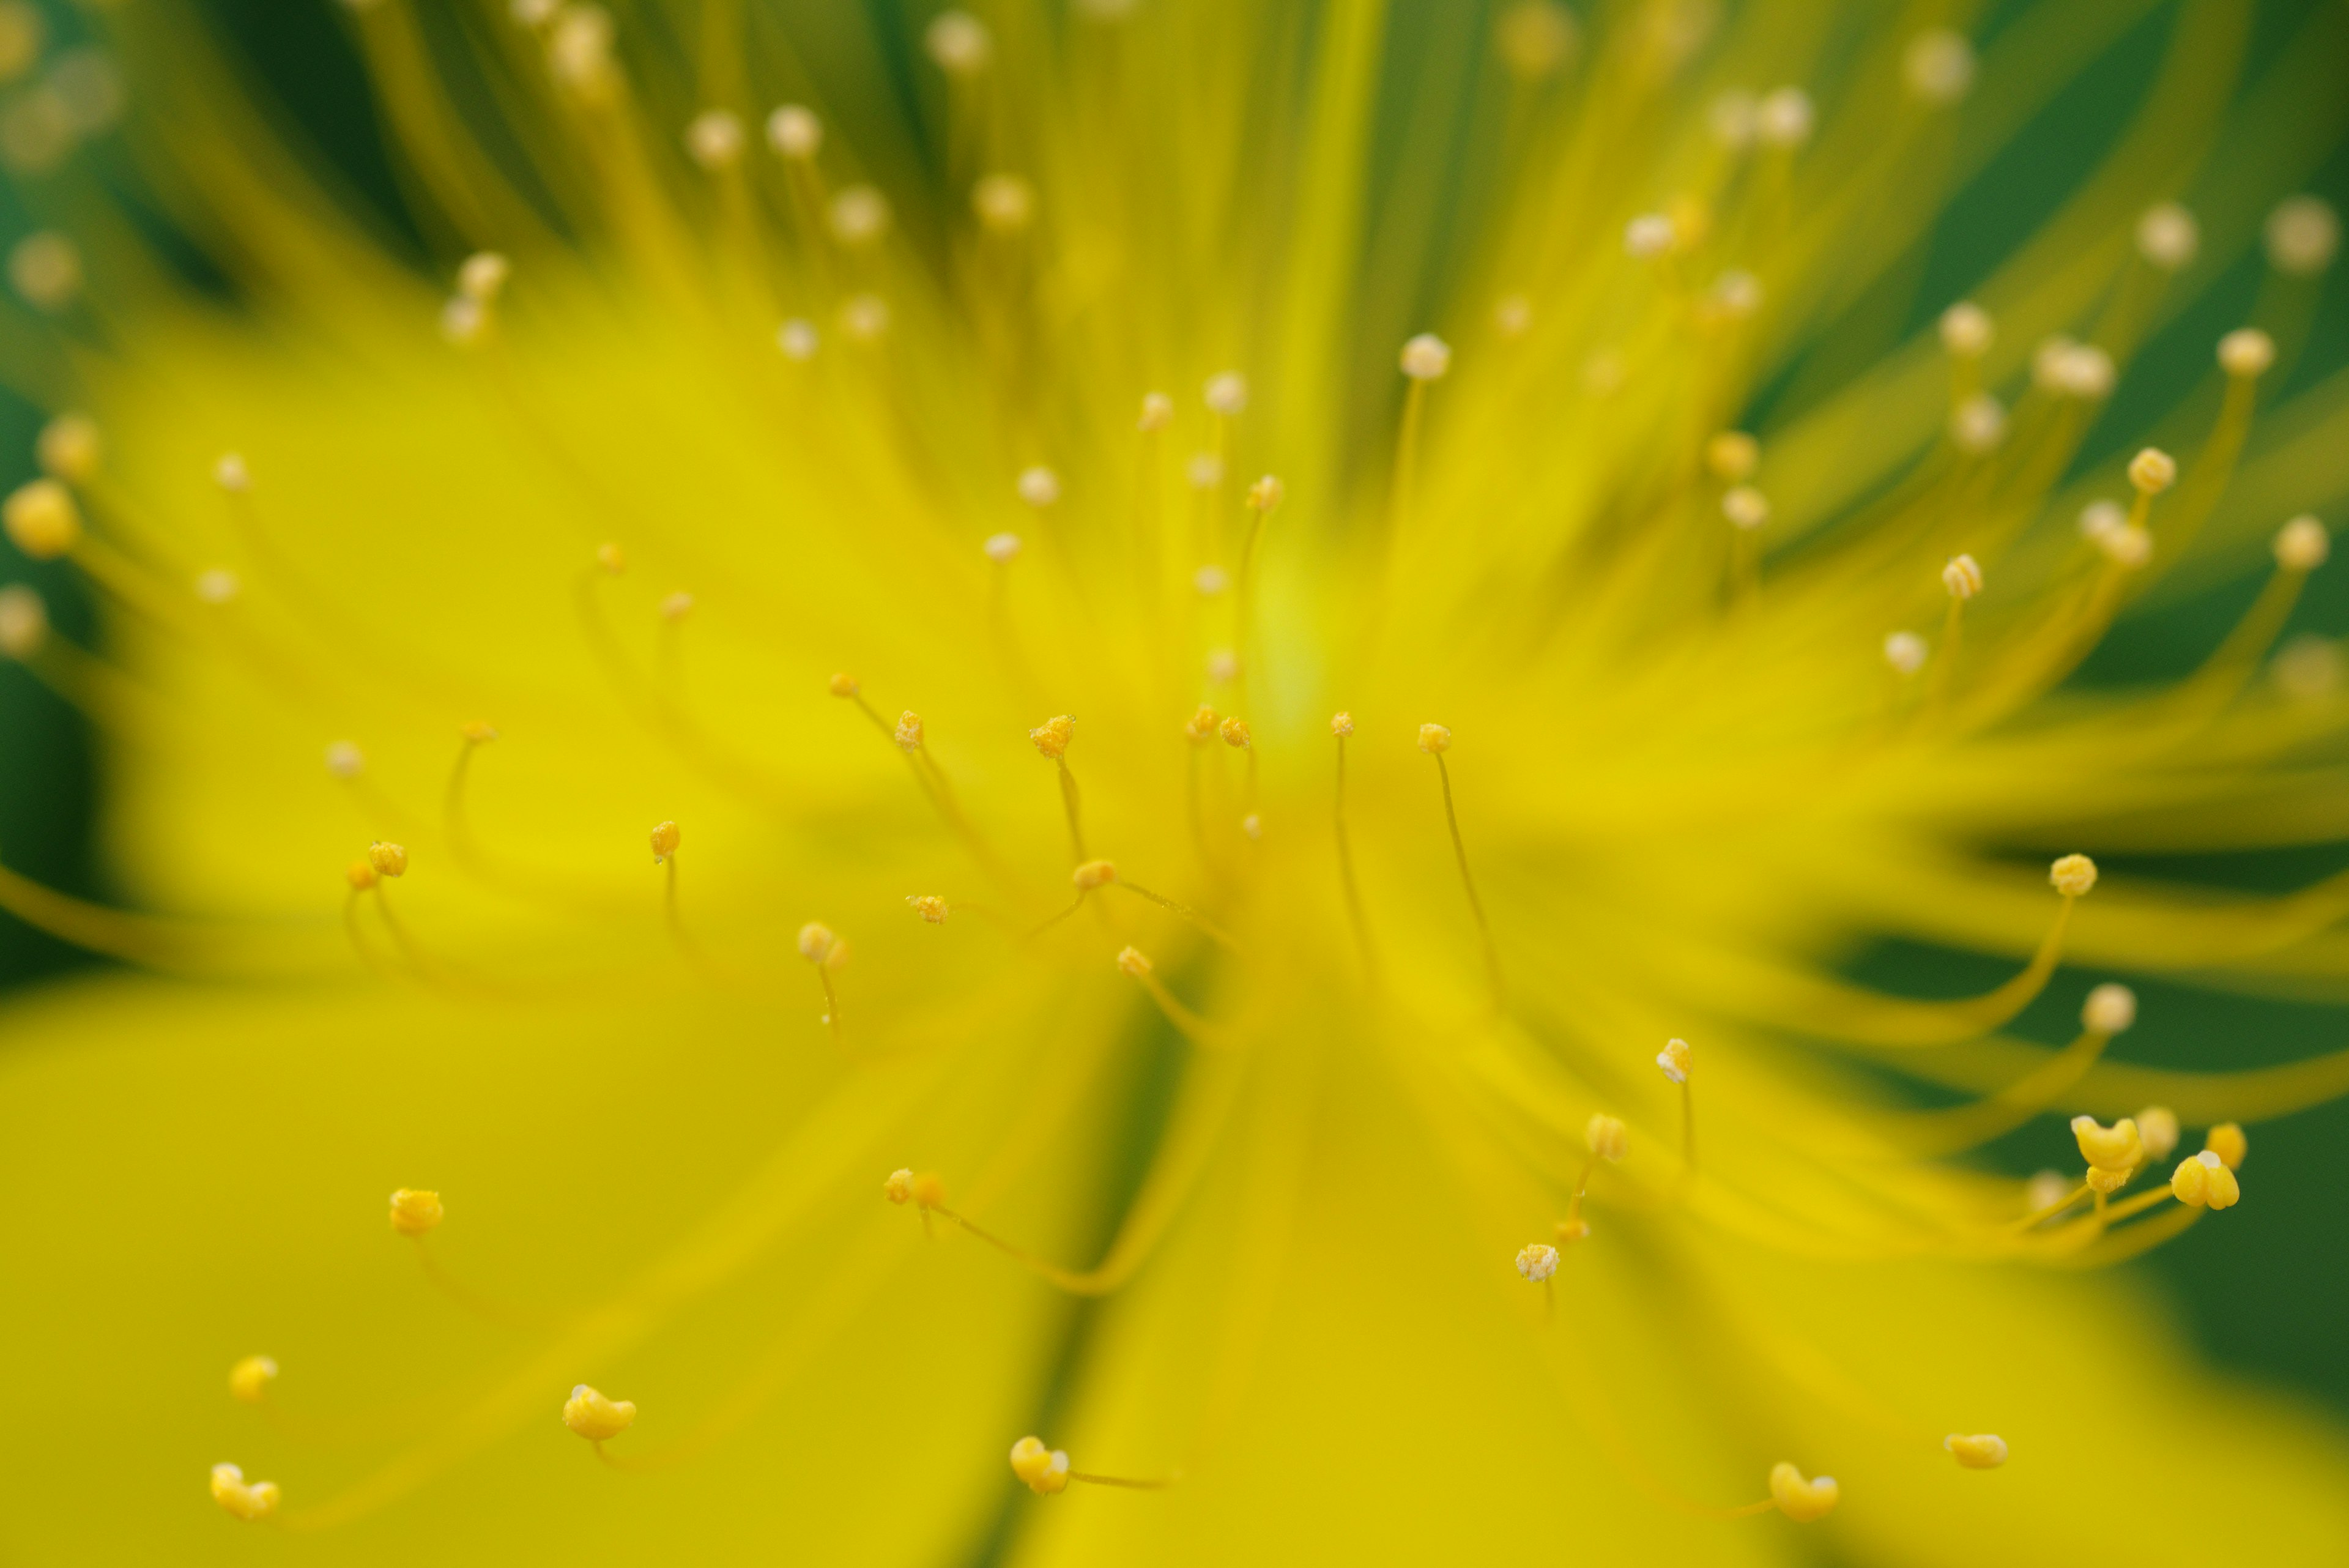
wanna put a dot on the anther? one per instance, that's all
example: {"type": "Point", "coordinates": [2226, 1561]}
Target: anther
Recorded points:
{"type": "Point", "coordinates": [1043, 1471]}
{"type": "Point", "coordinates": [1204, 470]}
{"type": "Point", "coordinates": [611, 559]}
{"type": "Point", "coordinates": [1607, 1137]}
{"type": "Point", "coordinates": [230, 474]}
{"type": "Point", "coordinates": [1675, 1059]}
{"type": "Point", "coordinates": [1157, 413]}
{"type": "Point", "coordinates": [361, 876]}
{"type": "Point", "coordinates": [1237, 734]}
{"type": "Point", "coordinates": [1225, 393]}
{"type": "Point", "coordinates": [2072, 876]}
{"type": "Point", "coordinates": [794, 132]}
{"type": "Point", "coordinates": [2301, 235]}
{"type": "Point", "coordinates": [843, 684]}
{"type": "Point", "coordinates": [1511, 315]}
{"type": "Point", "coordinates": [1938, 65]}
{"type": "Point", "coordinates": [1784, 117]}
{"type": "Point", "coordinates": [2152, 470]}
{"type": "Point", "coordinates": [2246, 353]}
{"type": "Point", "coordinates": [69, 448]}
{"type": "Point", "coordinates": [1093, 874]}
{"type": "Point", "coordinates": [1211, 580]}
{"type": "Point", "coordinates": [1647, 237]}
{"type": "Point", "coordinates": [252, 1502]}
{"type": "Point", "coordinates": [415, 1212]}
{"type": "Point", "coordinates": [819, 946]}
{"type": "Point", "coordinates": [1133, 960]}
{"type": "Point", "coordinates": [216, 585]}
{"type": "Point", "coordinates": [1341, 724]}
{"type": "Point", "coordinates": [41, 519]}
{"type": "Point", "coordinates": [898, 1187]}
{"type": "Point", "coordinates": [2205, 1181]}
{"type": "Point", "coordinates": [1977, 425]}
{"type": "Point", "coordinates": [1005, 203]}
{"type": "Point", "coordinates": [45, 269]}
{"type": "Point", "coordinates": [798, 340]}
{"type": "Point", "coordinates": [481, 276]}
{"type": "Point", "coordinates": [345, 759]}
{"type": "Point", "coordinates": [2227, 1141]}
{"type": "Point", "coordinates": [665, 838]}
{"type": "Point", "coordinates": [2167, 236]}
{"type": "Point", "coordinates": [1799, 1500]}
{"type": "Point", "coordinates": [859, 215]}
{"type": "Point", "coordinates": [864, 318]}
{"type": "Point", "coordinates": [1201, 725]}
{"type": "Point", "coordinates": [1223, 665]}
{"type": "Point", "coordinates": [1905, 651]}
{"type": "Point", "coordinates": [1534, 38]}
{"type": "Point", "coordinates": [2074, 369]}
{"type": "Point", "coordinates": [908, 732]}
{"type": "Point", "coordinates": [2157, 1129]}
{"type": "Point", "coordinates": [2110, 1009]}
{"type": "Point", "coordinates": [23, 621]}
{"type": "Point", "coordinates": [1732, 118]}
{"type": "Point", "coordinates": [1266, 493]}
{"type": "Point", "coordinates": [390, 859]}
{"type": "Point", "coordinates": [2130, 546]}
{"type": "Point", "coordinates": [929, 906]}
{"type": "Point", "coordinates": [1040, 487]}
{"type": "Point", "coordinates": [1745, 507]}
{"type": "Point", "coordinates": [2116, 1148]}
{"type": "Point", "coordinates": [1982, 1451]}
{"type": "Point", "coordinates": [1435, 740]}
{"type": "Point", "coordinates": [2301, 545]}
{"type": "Point", "coordinates": [676, 606]}
{"type": "Point", "coordinates": [1536, 1262]}
{"type": "Point", "coordinates": [2100, 517]}
{"type": "Point", "coordinates": [1962, 576]}
{"type": "Point", "coordinates": [1052, 736]}
{"type": "Point", "coordinates": [1570, 1230]}
{"type": "Point", "coordinates": [249, 1380]}
{"type": "Point", "coordinates": [715, 137]}
{"type": "Point", "coordinates": [1731, 456]}
{"type": "Point", "coordinates": [593, 1417]}
{"type": "Point", "coordinates": [1966, 330]}
{"type": "Point", "coordinates": [959, 42]}
{"type": "Point", "coordinates": [1426, 358]}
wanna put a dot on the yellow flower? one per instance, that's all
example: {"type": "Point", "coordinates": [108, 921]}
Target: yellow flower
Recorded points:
{"type": "Point", "coordinates": [1749, 606]}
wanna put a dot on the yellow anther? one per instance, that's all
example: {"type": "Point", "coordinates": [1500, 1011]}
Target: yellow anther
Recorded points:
{"type": "Point", "coordinates": [2074, 369]}
{"type": "Point", "coordinates": [2045, 1190]}
{"type": "Point", "coordinates": [1157, 413]}
{"type": "Point", "coordinates": [929, 906]}
{"type": "Point", "coordinates": [959, 43]}
{"type": "Point", "coordinates": [1607, 1137]}
{"type": "Point", "coordinates": [1569, 1231]}
{"type": "Point", "coordinates": [41, 519]}
{"type": "Point", "coordinates": [1676, 1060]}
{"type": "Point", "coordinates": [2228, 1142]}
{"type": "Point", "coordinates": [1236, 734]}
{"type": "Point", "coordinates": [908, 732]}
{"type": "Point", "coordinates": [2301, 545]}
{"type": "Point", "coordinates": [1962, 576]}
{"type": "Point", "coordinates": [843, 684]}
{"type": "Point", "coordinates": [859, 215]}
{"type": "Point", "coordinates": [2167, 236]}
{"type": "Point", "coordinates": [1266, 493]}
{"type": "Point", "coordinates": [1341, 724]}
{"type": "Point", "coordinates": [478, 732]}
{"type": "Point", "coordinates": [1043, 1470]}
{"type": "Point", "coordinates": [1093, 874]}
{"type": "Point", "coordinates": [1000, 548]}
{"type": "Point", "coordinates": [595, 1417]}
{"type": "Point", "coordinates": [1426, 358]}
{"type": "Point", "coordinates": [2246, 352]}
{"type": "Point", "coordinates": [1978, 425]}
{"type": "Point", "coordinates": [229, 472]}
{"type": "Point", "coordinates": [2302, 235]}
{"type": "Point", "coordinates": [817, 944]}
{"type": "Point", "coordinates": [611, 558]}
{"type": "Point", "coordinates": [252, 1502]}
{"type": "Point", "coordinates": [1039, 486]}
{"type": "Point", "coordinates": [677, 606]}
{"type": "Point", "coordinates": [864, 318]}
{"type": "Point", "coordinates": [1799, 1500]}
{"type": "Point", "coordinates": [1648, 236]}
{"type": "Point", "coordinates": [665, 838]}
{"type": "Point", "coordinates": [2072, 876]}
{"type": "Point", "coordinates": [345, 759]}
{"type": "Point", "coordinates": [2100, 517]}
{"type": "Point", "coordinates": [1536, 1262]}
{"type": "Point", "coordinates": [69, 448]}
{"type": "Point", "coordinates": [249, 1380]}
{"type": "Point", "coordinates": [1052, 736]}
{"type": "Point", "coordinates": [2108, 1181]}
{"type": "Point", "coordinates": [1982, 1451]}
{"type": "Point", "coordinates": [361, 876]}
{"type": "Point", "coordinates": [2129, 546]}
{"type": "Point", "coordinates": [45, 270]}
{"type": "Point", "coordinates": [1967, 330]}
{"type": "Point", "coordinates": [1745, 507]}
{"type": "Point", "coordinates": [1511, 315]}
{"type": "Point", "coordinates": [2204, 1181]}
{"type": "Point", "coordinates": [1731, 456]}
{"type": "Point", "coordinates": [714, 138]}
{"type": "Point", "coordinates": [2113, 1148]}
{"type": "Point", "coordinates": [1435, 740]}
{"type": "Point", "coordinates": [23, 621]}
{"type": "Point", "coordinates": [1905, 651]}
{"type": "Point", "coordinates": [899, 1186]}
{"type": "Point", "coordinates": [2152, 470]}
{"type": "Point", "coordinates": [929, 1189]}
{"type": "Point", "coordinates": [1938, 65]}
{"type": "Point", "coordinates": [1134, 961]}
{"type": "Point", "coordinates": [1784, 117]}
{"type": "Point", "coordinates": [390, 859]}
{"type": "Point", "coordinates": [2110, 1009]}
{"type": "Point", "coordinates": [2157, 1129]}
{"type": "Point", "coordinates": [414, 1211]}
{"type": "Point", "coordinates": [794, 132]}
{"type": "Point", "coordinates": [1204, 470]}
{"type": "Point", "coordinates": [1535, 36]}
{"type": "Point", "coordinates": [1005, 203]}
{"type": "Point", "coordinates": [482, 275]}
{"type": "Point", "coordinates": [1201, 726]}
{"type": "Point", "coordinates": [1225, 393]}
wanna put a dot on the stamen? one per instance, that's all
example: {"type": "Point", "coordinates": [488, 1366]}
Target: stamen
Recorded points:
{"type": "Point", "coordinates": [1678, 1063]}
{"type": "Point", "coordinates": [2167, 236]}
{"type": "Point", "coordinates": [1982, 1451]}
{"type": "Point", "coordinates": [69, 448]}
{"type": "Point", "coordinates": [1799, 1500]}
{"type": "Point", "coordinates": [1425, 359]}
{"type": "Point", "coordinates": [41, 519]}
{"type": "Point", "coordinates": [252, 1502]}
{"type": "Point", "coordinates": [1052, 739]}
{"type": "Point", "coordinates": [1342, 725]}
{"type": "Point", "coordinates": [1198, 1031]}
{"type": "Point", "coordinates": [415, 1212]}
{"type": "Point", "coordinates": [249, 1380]}
{"type": "Point", "coordinates": [2227, 1141]}
{"type": "Point", "coordinates": [588, 1413]}
{"type": "Point", "coordinates": [2205, 1181]}
{"type": "Point", "coordinates": [1538, 1262]}
{"type": "Point", "coordinates": [794, 132]}
{"type": "Point", "coordinates": [1731, 456]}
{"type": "Point", "coordinates": [2150, 472]}
{"type": "Point", "coordinates": [929, 906]}
{"type": "Point", "coordinates": [1045, 1471]}
{"type": "Point", "coordinates": [827, 952]}
{"type": "Point", "coordinates": [1435, 739]}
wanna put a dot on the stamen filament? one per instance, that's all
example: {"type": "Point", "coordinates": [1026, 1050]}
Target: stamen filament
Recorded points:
{"type": "Point", "coordinates": [1468, 881]}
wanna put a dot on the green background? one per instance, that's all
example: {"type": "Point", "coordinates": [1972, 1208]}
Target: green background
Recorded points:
{"type": "Point", "coordinates": [2262, 1289]}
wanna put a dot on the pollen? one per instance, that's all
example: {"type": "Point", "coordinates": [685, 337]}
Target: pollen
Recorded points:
{"type": "Point", "coordinates": [252, 1502]}
{"type": "Point", "coordinates": [859, 217]}
{"type": "Point", "coordinates": [1426, 358]}
{"type": "Point", "coordinates": [1799, 1500]}
{"type": "Point", "coordinates": [1043, 1471]}
{"type": "Point", "coordinates": [2111, 1009]}
{"type": "Point", "coordinates": [1133, 960]}
{"type": "Point", "coordinates": [2152, 470]}
{"type": "Point", "coordinates": [898, 1187]}
{"type": "Point", "coordinates": [1962, 576]}
{"type": "Point", "coordinates": [929, 906]}
{"type": "Point", "coordinates": [390, 859]}
{"type": "Point", "coordinates": [2227, 1141]}
{"type": "Point", "coordinates": [2246, 353]}
{"type": "Point", "coordinates": [1648, 236]}
{"type": "Point", "coordinates": [1052, 736]}
{"type": "Point", "coordinates": [1536, 1262]}
{"type": "Point", "coordinates": [1236, 734]}
{"type": "Point", "coordinates": [665, 838]}
{"type": "Point", "coordinates": [1093, 874]}
{"type": "Point", "coordinates": [1982, 1451]}
{"type": "Point", "coordinates": [41, 519]}
{"type": "Point", "coordinates": [1607, 1137]}
{"type": "Point", "coordinates": [593, 1417]}
{"type": "Point", "coordinates": [1200, 727]}
{"type": "Point", "coordinates": [1785, 118]}
{"type": "Point", "coordinates": [2205, 1181]}
{"type": "Point", "coordinates": [1675, 1060]}
{"type": "Point", "coordinates": [908, 732]}
{"type": "Point", "coordinates": [2072, 876]}
{"type": "Point", "coordinates": [2115, 1148]}
{"type": "Point", "coordinates": [1435, 740]}
{"type": "Point", "coordinates": [249, 1380]}
{"type": "Point", "coordinates": [414, 1211]}
{"type": "Point", "coordinates": [1341, 724]}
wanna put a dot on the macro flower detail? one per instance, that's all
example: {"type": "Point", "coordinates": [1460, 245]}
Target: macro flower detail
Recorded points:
{"type": "Point", "coordinates": [791, 418]}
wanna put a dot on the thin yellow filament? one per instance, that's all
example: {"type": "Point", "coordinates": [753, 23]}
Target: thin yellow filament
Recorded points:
{"type": "Point", "coordinates": [1468, 884]}
{"type": "Point", "coordinates": [1346, 879]}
